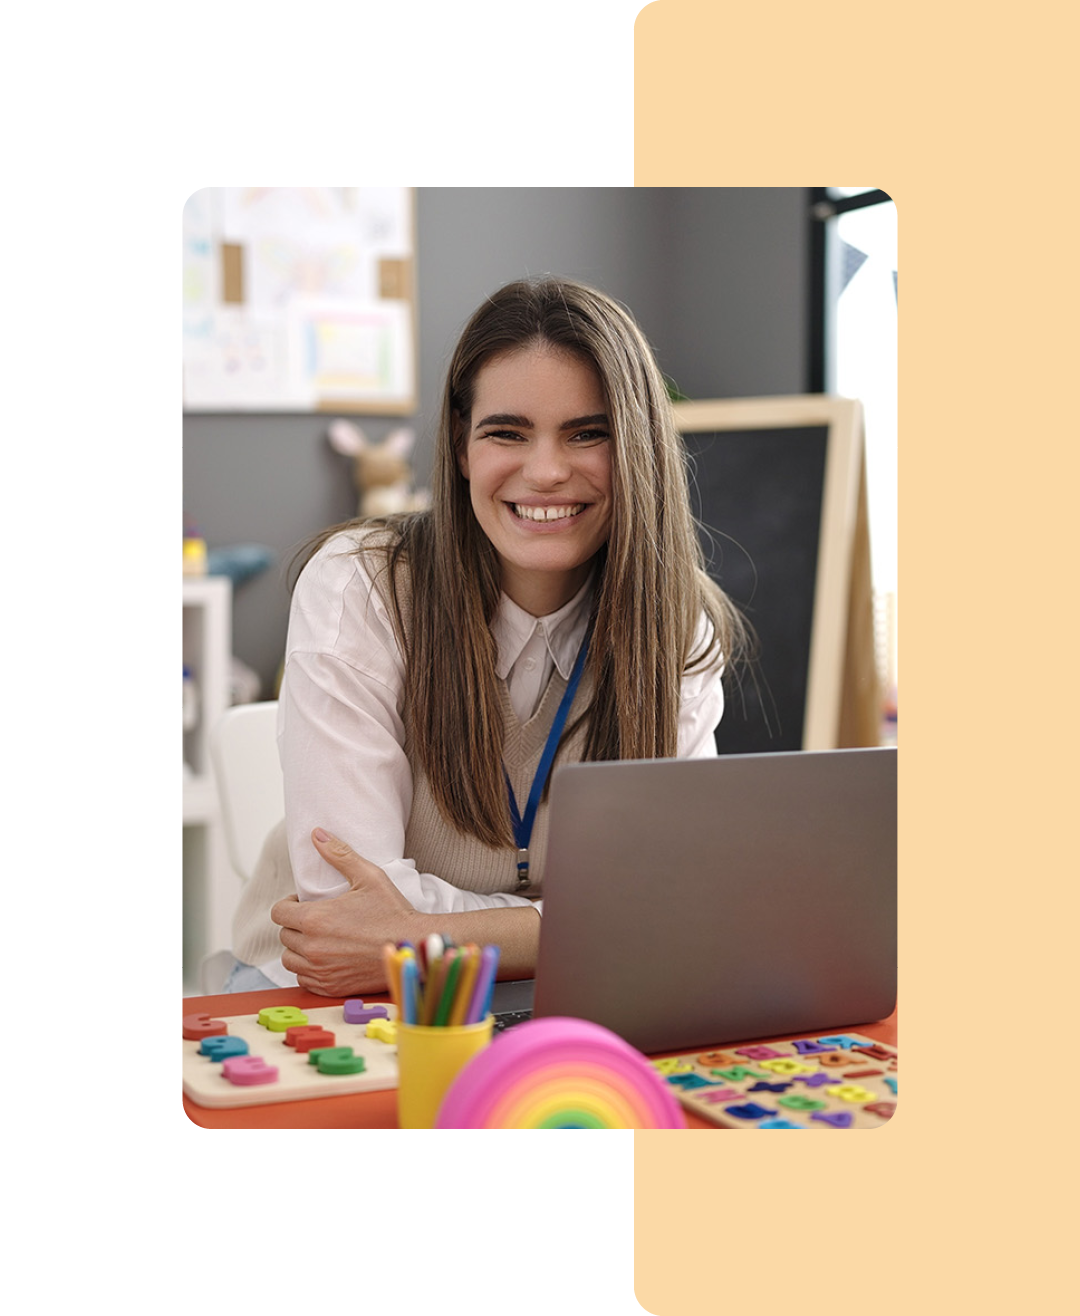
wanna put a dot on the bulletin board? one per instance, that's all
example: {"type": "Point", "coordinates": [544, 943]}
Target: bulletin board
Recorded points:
{"type": "Point", "coordinates": [779, 488]}
{"type": "Point", "coordinates": [299, 299]}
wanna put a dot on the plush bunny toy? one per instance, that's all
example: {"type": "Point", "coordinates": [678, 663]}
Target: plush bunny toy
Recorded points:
{"type": "Point", "coordinates": [381, 470]}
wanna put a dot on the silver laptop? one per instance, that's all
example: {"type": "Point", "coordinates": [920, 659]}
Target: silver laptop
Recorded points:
{"type": "Point", "coordinates": [707, 901]}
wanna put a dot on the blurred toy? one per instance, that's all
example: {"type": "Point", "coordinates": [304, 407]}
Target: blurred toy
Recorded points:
{"type": "Point", "coordinates": [194, 549]}
{"type": "Point", "coordinates": [381, 471]}
{"type": "Point", "coordinates": [239, 562]}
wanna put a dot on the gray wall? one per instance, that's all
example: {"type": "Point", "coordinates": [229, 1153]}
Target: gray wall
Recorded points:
{"type": "Point", "coordinates": [735, 315]}
{"type": "Point", "coordinates": [716, 277]}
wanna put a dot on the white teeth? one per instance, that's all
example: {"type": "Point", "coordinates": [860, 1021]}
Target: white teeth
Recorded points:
{"type": "Point", "coordinates": [547, 513]}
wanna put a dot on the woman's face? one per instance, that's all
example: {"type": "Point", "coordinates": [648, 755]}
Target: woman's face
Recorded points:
{"type": "Point", "coordinates": [537, 456]}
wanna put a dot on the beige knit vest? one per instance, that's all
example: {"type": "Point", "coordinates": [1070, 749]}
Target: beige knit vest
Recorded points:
{"type": "Point", "coordinates": [434, 845]}
{"type": "Point", "coordinates": [462, 860]}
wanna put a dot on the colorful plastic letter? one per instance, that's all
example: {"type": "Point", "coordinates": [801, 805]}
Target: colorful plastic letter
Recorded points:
{"type": "Point", "coordinates": [787, 1066]}
{"type": "Point", "coordinates": [336, 1060]}
{"type": "Point", "coordinates": [797, 1101]}
{"type": "Point", "coordinates": [759, 1052]}
{"type": "Point", "coordinates": [836, 1119]}
{"type": "Point", "coordinates": [852, 1092]}
{"type": "Point", "coordinates": [220, 1048]}
{"type": "Point", "coordinates": [717, 1059]}
{"type": "Point", "coordinates": [780, 1124]}
{"type": "Point", "coordinates": [249, 1071]}
{"type": "Point", "coordinates": [873, 1052]}
{"type": "Point", "coordinates": [672, 1065]}
{"type": "Point", "coordinates": [750, 1111]}
{"type": "Point", "coordinates": [382, 1030]}
{"type": "Point", "coordinates": [807, 1047]}
{"type": "Point", "coordinates": [817, 1080]}
{"type": "Point", "coordinates": [356, 1012]}
{"type": "Point", "coordinates": [883, 1108]}
{"type": "Point", "coordinates": [304, 1036]}
{"type": "Point", "coordinates": [688, 1081]}
{"type": "Point", "coordinates": [198, 1026]}
{"type": "Point", "coordinates": [280, 1018]}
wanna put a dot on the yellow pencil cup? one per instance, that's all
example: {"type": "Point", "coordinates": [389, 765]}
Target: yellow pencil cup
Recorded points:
{"type": "Point", "coordinates": [429, 1059]}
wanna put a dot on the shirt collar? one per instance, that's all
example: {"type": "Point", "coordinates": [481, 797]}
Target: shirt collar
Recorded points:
{"type": "Point", "coordinates": [562, 631]}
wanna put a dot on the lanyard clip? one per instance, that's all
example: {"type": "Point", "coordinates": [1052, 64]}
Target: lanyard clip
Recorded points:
{"type": "Point", "coordinates": [523, 869]}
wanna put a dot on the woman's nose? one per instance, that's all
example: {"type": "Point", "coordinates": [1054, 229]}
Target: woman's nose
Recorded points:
{"type": "Point", "coordinates": [547, 464]}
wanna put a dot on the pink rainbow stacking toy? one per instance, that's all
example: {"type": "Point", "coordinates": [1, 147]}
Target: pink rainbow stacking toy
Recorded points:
{"type": "Point", "coordinates": [559, 1074]}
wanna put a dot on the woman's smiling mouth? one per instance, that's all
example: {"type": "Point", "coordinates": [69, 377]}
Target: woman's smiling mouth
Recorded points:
{"type": "Point", "coordinates": [528, 512]}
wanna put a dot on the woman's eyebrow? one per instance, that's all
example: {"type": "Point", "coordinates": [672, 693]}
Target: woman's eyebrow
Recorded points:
{"type": "Point", "coordinates": [599, 419]}
{"type": "Point", "coordinates": [505, 418]}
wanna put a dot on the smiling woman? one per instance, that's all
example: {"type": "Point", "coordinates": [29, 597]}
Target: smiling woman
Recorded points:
{"type": "Point", "coordinates": [556, 582]}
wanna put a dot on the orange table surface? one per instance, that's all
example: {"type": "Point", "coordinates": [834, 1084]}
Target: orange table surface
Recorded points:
{"type": "Point", "coordinates": [366, 1110]}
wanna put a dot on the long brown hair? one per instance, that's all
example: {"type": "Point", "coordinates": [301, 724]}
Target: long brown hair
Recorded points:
{"type": "Point", "coordinates": [651, 583]}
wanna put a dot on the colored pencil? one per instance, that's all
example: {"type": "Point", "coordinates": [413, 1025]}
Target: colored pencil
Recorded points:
{"type": "Point", "coordinates": [446, 996]}
{"type": "Point", "coordinates": [485, 985]}
{"type": "Point", "coordinates": [463, 995]}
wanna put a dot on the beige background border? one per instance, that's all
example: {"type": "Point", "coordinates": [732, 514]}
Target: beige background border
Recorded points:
{"type": "Point", "coordinates": [960, 113]}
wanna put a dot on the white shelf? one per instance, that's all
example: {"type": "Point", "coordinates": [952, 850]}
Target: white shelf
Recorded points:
{"type": "Point", "coordinates": [207, 649]}
{"type": "Point", "coordinates": [210, 886]}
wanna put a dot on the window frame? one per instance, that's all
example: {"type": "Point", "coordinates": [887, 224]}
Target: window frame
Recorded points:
{"type": "Point", "coordinates": [822, 207]}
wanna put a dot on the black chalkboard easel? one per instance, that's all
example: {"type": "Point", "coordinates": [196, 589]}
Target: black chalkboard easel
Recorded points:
{"type": "Point", "coordinates": [778, 489]}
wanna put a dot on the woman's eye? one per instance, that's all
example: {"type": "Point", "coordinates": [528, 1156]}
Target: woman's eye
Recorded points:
{"type": "Point", "coordinates": [514, 436]}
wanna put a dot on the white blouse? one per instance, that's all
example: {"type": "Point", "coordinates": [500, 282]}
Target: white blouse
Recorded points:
{"type": "Point", "coordinates": [341, 737]}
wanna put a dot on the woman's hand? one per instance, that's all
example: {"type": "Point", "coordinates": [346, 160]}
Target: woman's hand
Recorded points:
{"type": "Point", "coordinates": [335, 946]}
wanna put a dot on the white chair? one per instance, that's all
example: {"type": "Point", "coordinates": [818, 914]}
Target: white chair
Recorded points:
{"type": "Point", "coordinates": [243, 751]}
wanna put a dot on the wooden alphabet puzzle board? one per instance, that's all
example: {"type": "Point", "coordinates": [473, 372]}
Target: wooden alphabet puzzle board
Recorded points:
{"type": "Point", "coordinates": [366, 1032]}
{"type": "Point", "coordinates": [837, 1081]}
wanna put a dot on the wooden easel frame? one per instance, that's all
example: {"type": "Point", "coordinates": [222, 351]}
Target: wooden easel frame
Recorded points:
{"type": "Point", "coordinates": [842, 689]}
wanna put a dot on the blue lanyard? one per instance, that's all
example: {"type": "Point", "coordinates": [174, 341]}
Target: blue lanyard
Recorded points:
{"type": "Point", "coordinates": [523, 825]}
